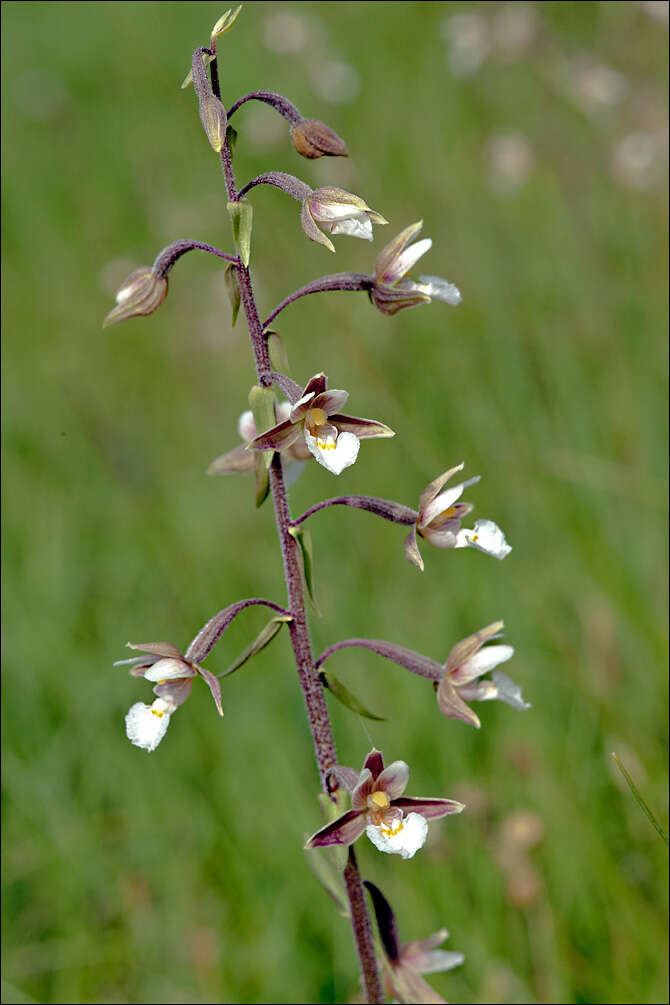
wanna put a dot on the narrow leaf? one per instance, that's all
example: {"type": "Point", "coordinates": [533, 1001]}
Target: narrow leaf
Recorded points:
{"type": "Point", "coordinates": [304, 541]}
{"type": "Point", "coordinates": [263, 639]}
{"type": "Point", "coordinates": [262, 405]}
{"type": "Point", "coordinates": [331, 811]}
{"type": "Point", "coordinates": [640, 800]}
{"type": "Point", "coordinates": [331, 880]}
{"type": "Point", "coordinates": [233, 290]}
{"type": "Point", "coordinates": [339, 691]}
{"type": "Point", "coordinates": [277, 351]}
{"type": "Point", "coordinates": [241, 215]}
{"type": "Point", "coordinates": [231, 137]}
{"type": "Point", "coordinates": [262, 477]}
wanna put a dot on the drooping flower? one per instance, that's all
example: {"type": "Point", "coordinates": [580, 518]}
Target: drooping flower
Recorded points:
{"type": "Point", "coordinates": [406, 963]}
{"type": "Point", "coordinates": [466, 664]}
{"type": "Point", "coordinates": [241, 459]}
{"type": "Point", "coordinates": [439, 522]}
{"type": "Point", "coordinates": [313, 138]}
{"type": "Point", "coordinates": [141, 293]}
{"type": "Point", "coordinates": [392, 291]}
{"type": "Point", "coordinates": [395, 824]}
{"type": "Point", "coordinates": [337, 212]}
{"type": "Point", "coordinates": [331, 437]}
{"type": "Point", "coordinates": [170, 671]}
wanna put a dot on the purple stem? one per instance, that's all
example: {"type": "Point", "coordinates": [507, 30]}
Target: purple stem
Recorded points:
{"type": "Point", "coordinates": [312, 689]}
{"type": "Point", "coordinates": [326, 284]}
{"type": "Point", "coordinates": [210, 633]}
{"type": "Point", "coordinates": [278, 102]}
{"type": "Point", "coordinates": [168, 256]}
{"type": "Point", "coordinates": [385, 508]}
{"type": "Point", "coordinates": [279, 179]}
{"type": "Point", "coordinates": [415, 662]}
{"type": "Point", "coordinates": [199, 73]}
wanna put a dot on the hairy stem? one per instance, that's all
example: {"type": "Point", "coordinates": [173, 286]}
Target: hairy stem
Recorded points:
{"type": "Point", "coordinates": [395, 512]}
{"type": "Point", "coordinates": [168, 256]}
{"type": "Point", "coordinates": [315, 702]}
{"type": "Point", "coordinates": [278, 102]}
{"type": "Point", "coordinates": [337, 281]}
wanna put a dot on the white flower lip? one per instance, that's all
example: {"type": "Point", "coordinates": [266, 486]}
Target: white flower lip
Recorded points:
{"type": "Point", "coordinates": [485, 536]}
{"type": "Point", "coordinates": [146, 725]}
{"type": "Point", "coordinates": [334, 453]}
{"type": "Point", "coordinates": [441, 289]}
{"type": "Point", "coordinates": [355, 226]}
{"type": "Point", "coordinates": [404, 840]}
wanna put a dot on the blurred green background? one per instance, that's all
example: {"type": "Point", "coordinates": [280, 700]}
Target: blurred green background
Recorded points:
{"type": "Point", "coordinates": [531, 139]}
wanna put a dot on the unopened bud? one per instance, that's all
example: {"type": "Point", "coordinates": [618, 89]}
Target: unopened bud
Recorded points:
{"type": "Point", "coordinates": [225, 23]}
{"type": "Point", "coordinates": [141, 293]}
{"type": "Point", "coordinates": [214, 120]}
{"type": "Point", "coordinates": [312, 139]}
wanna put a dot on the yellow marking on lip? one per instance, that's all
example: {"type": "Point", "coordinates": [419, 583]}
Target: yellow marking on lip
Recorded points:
{"type": "Point", "coordinates": [159, 714]}
{"type": "Point", "coordinates": [392, 831]}
{"type": "Point", "coordinates": [326, 444]}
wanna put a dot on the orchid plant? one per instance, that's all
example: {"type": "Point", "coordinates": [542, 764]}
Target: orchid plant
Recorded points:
{"type": "Point", "coordinates": [288, 425]}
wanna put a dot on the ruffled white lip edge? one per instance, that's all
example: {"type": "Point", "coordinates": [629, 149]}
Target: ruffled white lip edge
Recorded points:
{"type": "Point", "coordinates": [146, 725]}
{"type": "Point", "coordinates": [334, 453]}
{"type": "Point", "coordinates": [406, 841]}
{"type": "Point", "coordinates": [485, 536]}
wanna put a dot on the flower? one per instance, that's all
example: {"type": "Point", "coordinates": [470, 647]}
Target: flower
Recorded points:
{"type": "Point", "coordinates": [141, 293]}
{"type": "Point", "coordinates": [241, 459]}
{"type": "Point", "coordinates": [313, 139]}
{"type": "Point", "coordinates": [338, 212]}
{"type": "Point", "coordinates": [394, 823]}
{"type": "Point", "coordinates": [439, 522]}
{"type": "Point", "coordinates": [331, 437]}
{"type": "Point", "coordinates": [392, 292]}
{"type": "Point", "coordinates": [406, 963]}
{"type": "Point", "coordinates": [173, 675]}
{"type": "Point", "coordinates": [467, 662]}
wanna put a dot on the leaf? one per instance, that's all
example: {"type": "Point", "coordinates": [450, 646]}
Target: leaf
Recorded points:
{"type": "Point", "coordinates": [231, 137]}
{"type": "Point", "coordinates": [262, 405]}
{"type": "Point", "coordinates": [241, 215]}
{"type": "Point", "coordinates": [640, 801]}
{"type": "Point", "coordinates": [277, 351]}
{"type": "Point", "coordinates": [263, 639]}
{"type": "Point", "coordinates": [262, 478]}
{"type": "Point", "coordinates": [331, 811]}
{"type": "Point", "coordinates": [344, 695]}
{"type": "Point", "coordinates": [330, 878]}
{"type": "Point", "coordinates": [233, 290]}
{"type": "Point", "coordinates": [304, 541]}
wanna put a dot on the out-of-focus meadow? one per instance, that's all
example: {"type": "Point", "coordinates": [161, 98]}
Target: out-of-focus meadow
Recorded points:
{"type": "Point", "coordinates": [531, 139]}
